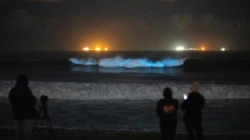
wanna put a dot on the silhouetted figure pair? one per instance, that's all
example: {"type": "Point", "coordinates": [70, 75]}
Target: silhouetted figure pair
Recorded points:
{"type": "Point", "coordinates": [166, 110]}
{"type": "Point", "coordinates": [192, 105]}
{"type": "Point", "coordinates": [24, 113]}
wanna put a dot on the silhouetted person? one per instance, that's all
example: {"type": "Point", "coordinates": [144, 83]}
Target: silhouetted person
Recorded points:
{"type": "Point", "coordinates": [166, 110]}
{"type": "Point", "coordinates": [24, 112]}
{"type": "Point", "coordinates": [193, 106]}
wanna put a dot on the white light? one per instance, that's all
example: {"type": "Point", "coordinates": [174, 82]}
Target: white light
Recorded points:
{"type": "Point", "coordinates": [180, 48]}
{"type": "Point", "coordinates": [85, 49]}
{"type": "Point", "coordinates": [223, 49]}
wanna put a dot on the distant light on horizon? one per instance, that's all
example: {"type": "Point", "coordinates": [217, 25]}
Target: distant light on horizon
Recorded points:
{"type": "Point", "coordinates": [94, 49]}
{"type": "Point", "coordinates": [223, 49]}
{"type": "Point", "coordinates": [85, 49]}
{"type": "Point", "coordinates": [180, 48]}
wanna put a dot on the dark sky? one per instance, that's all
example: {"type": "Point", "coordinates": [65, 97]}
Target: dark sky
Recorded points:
{"type": "Point", "coordinates": [124, 24]}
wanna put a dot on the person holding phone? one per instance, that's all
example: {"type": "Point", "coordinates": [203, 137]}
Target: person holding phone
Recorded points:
{"type": "Point", "coordinates": [193, 105]}
{"type": "Point", "coordinates": [166, 110]}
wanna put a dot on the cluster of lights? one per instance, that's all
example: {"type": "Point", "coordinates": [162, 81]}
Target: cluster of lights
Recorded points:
{"type": "Point", "coordinates": [181, 48]}
{"type": "Point", "coordinates": [96, 49]}
{"type": "Point", "coordinates": [201, 49]}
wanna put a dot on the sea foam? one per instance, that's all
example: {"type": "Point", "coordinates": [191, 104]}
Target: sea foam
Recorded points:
{"type": "Point", "coordinates": [109, 91]}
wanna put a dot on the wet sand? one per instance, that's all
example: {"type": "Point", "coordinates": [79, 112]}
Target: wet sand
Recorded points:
{"type": "Point", "coordinates": [42, 134]}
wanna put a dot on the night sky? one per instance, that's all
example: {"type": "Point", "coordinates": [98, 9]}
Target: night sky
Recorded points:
{"type": "Point", "coordinates": [124, 24]}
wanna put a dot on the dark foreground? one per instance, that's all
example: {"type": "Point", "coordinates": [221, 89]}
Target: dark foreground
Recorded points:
{"type": "Point", "coordinates": [41, 134]}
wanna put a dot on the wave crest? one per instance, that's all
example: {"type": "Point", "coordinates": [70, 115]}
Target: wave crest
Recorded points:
{"type": "Point", "coordinates": [119, 61]}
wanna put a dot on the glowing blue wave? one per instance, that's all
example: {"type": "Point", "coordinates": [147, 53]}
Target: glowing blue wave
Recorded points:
{"type": "Point", "coordinates": [81, 61]}
{"type": "Point", "coordinates": [129, 63]}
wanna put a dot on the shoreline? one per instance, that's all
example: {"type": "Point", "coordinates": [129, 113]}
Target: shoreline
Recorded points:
{"type": "Point", "coordinates": [71, 134]}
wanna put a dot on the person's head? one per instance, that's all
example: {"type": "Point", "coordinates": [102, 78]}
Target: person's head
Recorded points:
{"type": "Point", "coordinates": [167, 93]}
{"type": "Point", "coordinates": [194, 87]}
{"type": "Point", "coordinates": [22, 80]}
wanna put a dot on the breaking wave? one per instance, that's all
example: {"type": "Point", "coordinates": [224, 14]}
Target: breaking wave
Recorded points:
{"type": "Point", "coordinates": [129, 63]}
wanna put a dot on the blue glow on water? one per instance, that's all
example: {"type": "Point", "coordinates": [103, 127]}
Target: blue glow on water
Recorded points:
{"type": "Point", "coordinates": [118, 61]}
{"type": "Point", "coordinates": [82, 61]}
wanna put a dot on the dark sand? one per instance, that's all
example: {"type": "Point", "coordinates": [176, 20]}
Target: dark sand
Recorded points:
{"type": "Point", "coordinates": [61, 134]}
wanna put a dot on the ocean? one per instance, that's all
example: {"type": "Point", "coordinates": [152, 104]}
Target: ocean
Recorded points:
{"type": "Point", "coordinates": [118, 90]}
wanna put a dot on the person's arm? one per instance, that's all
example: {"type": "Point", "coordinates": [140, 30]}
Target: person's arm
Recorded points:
{"type": "Point", "coordinates": [13, 98]}
{"type": "Point", "coordinates": [32, 98]}
{"type": "Point", "coordinates": [185, 104]}
{"type": "Point", "coordinates": [10, 97]}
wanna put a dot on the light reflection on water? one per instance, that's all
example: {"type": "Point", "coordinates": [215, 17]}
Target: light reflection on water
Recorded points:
{"type": "Point", "coordinates": [96, 69]}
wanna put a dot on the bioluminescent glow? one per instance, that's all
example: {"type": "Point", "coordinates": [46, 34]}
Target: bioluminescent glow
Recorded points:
{"type": "Point", "coordinates": [129, 63]}
{"type": "Point", "coordinates": [80, 61]}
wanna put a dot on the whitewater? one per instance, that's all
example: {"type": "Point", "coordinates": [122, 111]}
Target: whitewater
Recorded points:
{"type": "Point", "coordinates": [110, 91]}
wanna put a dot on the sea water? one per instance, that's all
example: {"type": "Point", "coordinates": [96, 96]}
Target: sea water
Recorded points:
{"type": "Point", "coordinates": [118, 91]}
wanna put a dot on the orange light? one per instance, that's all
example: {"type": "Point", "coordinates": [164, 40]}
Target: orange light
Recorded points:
{"type": "Point", "coordinates": [97, 49]}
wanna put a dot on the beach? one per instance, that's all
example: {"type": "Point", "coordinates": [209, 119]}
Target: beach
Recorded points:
{"type": "Point", "coordinates": [42, 134]}
{"type": "Point", "coordinates": [105, 102]}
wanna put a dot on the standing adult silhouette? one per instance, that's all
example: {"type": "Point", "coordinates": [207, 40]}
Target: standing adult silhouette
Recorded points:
{"type": "Point", "coordinates": [166, 110]}
{"type": "Point", "coordinates": [193, 106]}
{"type": "Point", "coordinates": [23, 108]}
